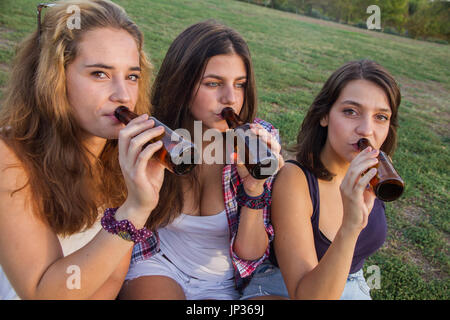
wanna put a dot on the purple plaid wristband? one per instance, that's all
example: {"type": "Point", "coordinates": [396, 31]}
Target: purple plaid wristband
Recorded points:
{"type": "Point", "coordinates": [124, 228]}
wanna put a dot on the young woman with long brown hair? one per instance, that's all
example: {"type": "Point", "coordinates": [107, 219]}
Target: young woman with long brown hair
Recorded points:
{"type": "Point", "coordinates": [205, 243]}
{"type": "Point", "coordinates": [64, 158]}
{"type": "Point", "coordinates": [327, 220]}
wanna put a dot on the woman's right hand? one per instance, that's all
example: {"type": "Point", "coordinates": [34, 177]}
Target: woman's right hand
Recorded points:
{"type": "Point", "coordinates": [357, 197]}
{"type": "Point", "coordinates": [143, 174]}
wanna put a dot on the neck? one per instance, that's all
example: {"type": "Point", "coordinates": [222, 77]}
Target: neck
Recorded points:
{"type": "Point", "coordinates": [333, 162]}
{"type": "Point", "coordinates": [95, 146]}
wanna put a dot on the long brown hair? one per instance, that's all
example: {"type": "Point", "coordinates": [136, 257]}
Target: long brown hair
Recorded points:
{"type": "Point", "coordinates": [312, 135]}
{"type": "Point", "coordinates": [66, 188]}
{"type": "Point", "coordinates": [173, 92]}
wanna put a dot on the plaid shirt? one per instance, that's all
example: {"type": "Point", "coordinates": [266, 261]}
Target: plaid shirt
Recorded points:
{"type": "Point", "coordinates": [230, 182]}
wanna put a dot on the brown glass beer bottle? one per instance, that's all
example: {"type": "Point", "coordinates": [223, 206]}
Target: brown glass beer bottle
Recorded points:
{"type": "Point", "coordinates": [177, 154]}
{"type": "Point", "coordinates": [387, 184]}
{"type": "Point", "coordinates": [259, 160]}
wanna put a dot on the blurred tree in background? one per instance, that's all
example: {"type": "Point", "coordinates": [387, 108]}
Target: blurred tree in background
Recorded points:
{"type": "Point", "coordinates": [419, 19]}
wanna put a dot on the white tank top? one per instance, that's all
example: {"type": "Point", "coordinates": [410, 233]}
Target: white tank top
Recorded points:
{"type": "Point", "coordinates": [69, 244]}
{"type": "Point", "coordinates": [199, 246]}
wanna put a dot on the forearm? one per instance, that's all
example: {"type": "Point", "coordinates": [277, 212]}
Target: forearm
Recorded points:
{"type": "Point", "coordinates": [327, 280]}
{"type": "Point", "coordinates": [111, 288]}
{"type": "Point", "coordinates": [251, 240]}
{"type": "Point", "coordinates": [90, 267]}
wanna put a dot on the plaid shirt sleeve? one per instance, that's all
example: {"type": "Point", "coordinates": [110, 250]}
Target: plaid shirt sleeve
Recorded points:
{"type": "Point", "coordinates": [231, 181]}
{"type": "Point", "coordinates": [144, 250]}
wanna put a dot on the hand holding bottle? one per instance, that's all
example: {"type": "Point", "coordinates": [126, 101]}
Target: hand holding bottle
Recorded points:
{"type": "Point", "coordinates": [357, 199]}
{"type": "Point", "coordinates": [143, 174]}
{"type": "Point", "coordinates": [255, 186]}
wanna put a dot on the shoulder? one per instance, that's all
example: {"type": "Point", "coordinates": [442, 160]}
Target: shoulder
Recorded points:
{"type": "Point", "coordinates": [291, 188]}
{"type": "Point", "coordinates": [291, 175]}
{"type": "Point", "coordinates": [269, 127]}
{"type": "Point", "coordinates": [264, 123]}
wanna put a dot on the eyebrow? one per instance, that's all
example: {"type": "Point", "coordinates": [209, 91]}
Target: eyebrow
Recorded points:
{"type": "Point", "coordinates": [359, 105]}
{"type": "Point", "coordinates": [104, 66]}
{"type": "Point", "coordinates": [221, 78]}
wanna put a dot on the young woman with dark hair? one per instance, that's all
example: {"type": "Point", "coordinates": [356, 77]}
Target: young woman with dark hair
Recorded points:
{"type": "Point", "coordinates": [326, 220]}
{"type": "Point", "coordinates": [205, 244]}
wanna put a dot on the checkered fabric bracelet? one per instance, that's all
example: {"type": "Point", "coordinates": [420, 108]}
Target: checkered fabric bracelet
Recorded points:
{"type": "Point", "coordinates": [123, 228]}
{"type": "Point", "coordinates": [259, 202]}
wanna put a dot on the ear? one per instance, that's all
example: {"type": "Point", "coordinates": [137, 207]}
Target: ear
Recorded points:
{"type": "Point", "coordinates": [324, 121]}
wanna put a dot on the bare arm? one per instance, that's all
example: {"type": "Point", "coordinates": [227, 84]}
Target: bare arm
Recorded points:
{"type": "Point", "coordinates": [305, 277]}
{"type": "Point", "coordinates": [251, 239]}
{"type": "Point", "coordinates": [30, 252]}
{"type": "Point", "coordinates": [111, 288]}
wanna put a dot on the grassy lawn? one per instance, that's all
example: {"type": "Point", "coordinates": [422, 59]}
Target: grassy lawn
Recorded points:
{"type": "Point", "coordinates": [293, 56]}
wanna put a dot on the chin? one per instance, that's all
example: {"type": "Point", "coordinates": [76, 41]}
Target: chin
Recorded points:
{"type": "Point", "coordinates": [108, 133]}
{"type": "Point", "coordinates": [350, 156]}
{"type": "Point", "coordinates": [221, 126]}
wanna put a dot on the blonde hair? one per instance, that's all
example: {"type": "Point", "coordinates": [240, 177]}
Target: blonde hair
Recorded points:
{"type": "Point", "coordinates": [66, 188]}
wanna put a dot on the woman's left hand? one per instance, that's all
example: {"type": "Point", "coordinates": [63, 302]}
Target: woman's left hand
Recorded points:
{"type": "Point", "coordinates": [255, 187]}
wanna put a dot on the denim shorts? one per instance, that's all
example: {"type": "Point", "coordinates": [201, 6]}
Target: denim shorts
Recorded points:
{"type": "Point", "coordinates": [356, 287]}
{"type": "Point", "coordinates": [267, 280]}
{"type": "Point", "coordinates": [193, 288]}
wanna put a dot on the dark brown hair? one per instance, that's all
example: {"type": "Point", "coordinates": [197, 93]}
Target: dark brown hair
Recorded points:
{"type": "Point", "coordinates": [174, 90]}
{"type": "Point", "coordinates": [66, 189]}
{"type": "Point", "coordinates": [312, 135]}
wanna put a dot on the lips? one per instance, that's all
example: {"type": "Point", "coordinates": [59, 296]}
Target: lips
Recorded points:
{"type": "Point", "coordinates": [355, 147]}
{"type": "Point", "coordinates": [219, 116]}
{"type": "Point", "coordinates": [112, 117]}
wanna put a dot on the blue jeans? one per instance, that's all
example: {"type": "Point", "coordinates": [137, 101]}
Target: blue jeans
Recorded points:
{"type": "Point", "coordinates": [356, 287]}
{"type": "Point", "coordinates": [267, 280]}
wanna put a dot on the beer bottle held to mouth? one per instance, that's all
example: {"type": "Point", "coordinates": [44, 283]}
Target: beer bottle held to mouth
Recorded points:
{"type": "Point", "coordinates": [387, 184]}
{"type": "Point", "coordinates": [177, 154]}
{"type": "Point", "coordinates": [260, 162]}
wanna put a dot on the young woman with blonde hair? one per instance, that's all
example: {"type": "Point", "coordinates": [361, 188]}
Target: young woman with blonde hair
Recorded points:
{"type": "Point", "coordinates": [64, 157]}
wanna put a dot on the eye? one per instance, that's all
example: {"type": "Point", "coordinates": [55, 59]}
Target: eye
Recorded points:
{"type": "Point", "coordinates": [134, 77]}
{"type": "Point", "coordinates": [241, 85]}
{"type": "Point", "coordinates": [212, 84]}
{"type": "Point", "coordinates": [349, 112]}
{"type": "Point", "coordinates": [99, 74]}
{"type": "Point", "coordinates": [382, 117]}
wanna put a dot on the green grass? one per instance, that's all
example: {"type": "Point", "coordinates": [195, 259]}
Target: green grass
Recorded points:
{"type": "Point", "coordinates": [293, 56]}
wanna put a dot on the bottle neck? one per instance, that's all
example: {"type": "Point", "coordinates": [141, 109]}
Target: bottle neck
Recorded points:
{"type": "Point", "coordinates": [231, 118]}
{"type": "Point", "coordinates": [363, 143]}
{"type": "Point", "coordinates": [124, 115]}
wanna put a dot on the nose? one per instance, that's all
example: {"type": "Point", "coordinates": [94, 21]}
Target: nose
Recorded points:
{"type": "Point", "coordinates": [365, 127]}
{"type": "Point", "coordinates": [120, 92]}
{"type": "Point", "coordinates": [228, 95]}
